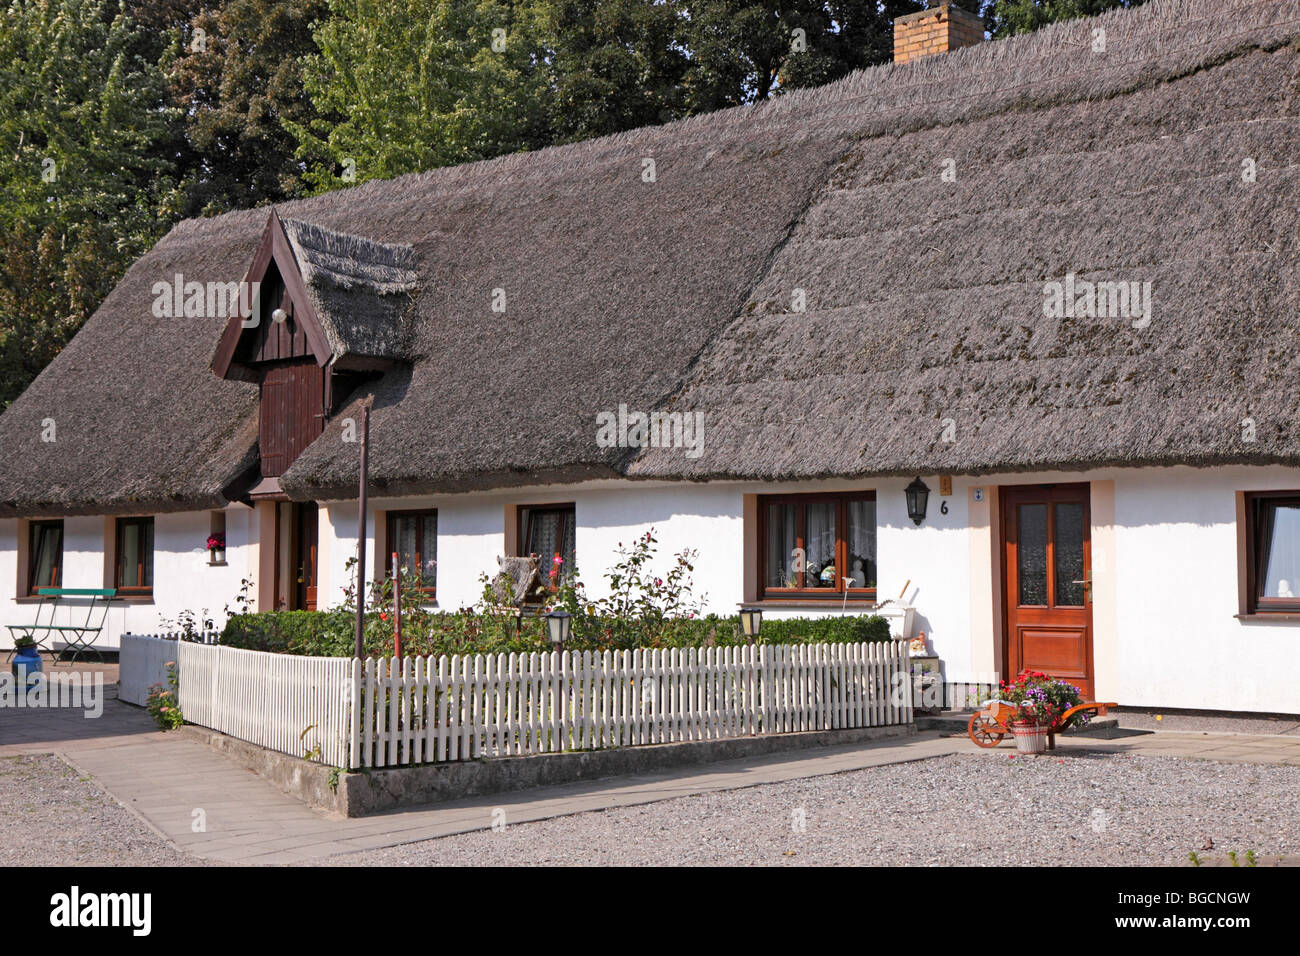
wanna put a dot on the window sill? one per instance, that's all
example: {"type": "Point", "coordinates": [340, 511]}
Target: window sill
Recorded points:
{"type": "Point", "coordinates": [832, 603]}
{"type": "Point", "coordinates": [132, 598]}
{"type": "Point", "coordinates": [1265, 617]}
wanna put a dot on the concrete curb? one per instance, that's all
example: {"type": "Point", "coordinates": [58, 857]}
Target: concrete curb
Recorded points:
{"type": "Point", "coordinates": [363, 793]}
{"type": "Point", "coordinates": [301, 779]}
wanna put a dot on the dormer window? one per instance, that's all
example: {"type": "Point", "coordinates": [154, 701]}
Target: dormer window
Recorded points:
{"type": "Point", "coordinates": [327, 305]}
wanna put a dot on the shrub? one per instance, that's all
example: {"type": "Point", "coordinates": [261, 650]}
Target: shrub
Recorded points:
{"type": "Point", "coordinates": [163, 703]}
{"type": "Point", "coordinates": [639, 608]}
{"type": "Point", "coordinates": [468, 631]}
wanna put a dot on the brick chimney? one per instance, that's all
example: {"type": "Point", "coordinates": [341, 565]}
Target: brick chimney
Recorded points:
{"type": "Point", "coordinates": [940, 29]}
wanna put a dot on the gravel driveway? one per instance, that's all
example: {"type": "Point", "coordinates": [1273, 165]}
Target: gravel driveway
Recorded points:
{"type": "Point", "coordinates": [1079, 808]}
{"type": "Point", "coordinates": [1084, 808]}
{"type": "Point", "coordinates": [52, 816]}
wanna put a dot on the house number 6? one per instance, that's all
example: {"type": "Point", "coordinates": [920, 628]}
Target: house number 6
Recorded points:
{"type": "Point", "coordinates": [943, 508]}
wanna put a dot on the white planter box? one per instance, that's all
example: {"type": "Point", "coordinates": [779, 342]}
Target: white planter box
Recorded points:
{"type": "Point", "coordinates": [899, 616]}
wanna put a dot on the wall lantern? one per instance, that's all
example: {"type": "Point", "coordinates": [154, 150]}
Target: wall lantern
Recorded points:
{"type": "Point", "coordinates": [918, 496]}
{"type": "Point", "coordinates": [557, 627]}
{"type": "Point", "coordinates": [279, 315]}
{"type": "Point", "coordinates": [751, 621]}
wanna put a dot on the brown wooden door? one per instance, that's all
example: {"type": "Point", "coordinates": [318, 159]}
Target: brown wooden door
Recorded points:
{"type": "Point", "coordinates": [292, 414]}
{"type": "Point", "coordinates": [306, 546]}
{"type": "Point", "coordinates": [1048, 576]}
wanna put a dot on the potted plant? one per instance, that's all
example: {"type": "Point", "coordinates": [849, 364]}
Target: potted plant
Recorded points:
{"type": "Point", "coordinates": [1039, 702]}
{"type": "Point", "coordinates": [217, 548]}
{"type": "Point", "coordinates": [27, 661]}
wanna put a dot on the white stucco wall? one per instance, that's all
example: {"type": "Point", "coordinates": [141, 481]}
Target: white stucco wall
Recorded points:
{"type": "Point", "coordinates": [1180, 643]}
{"type": "Point", "coordinates": [1165, 569]}
{"type": "Point", "coordinates": [932, 560]}
{"type": "Point", "coordinates": [1165, 593]}
{"type": "Point", "coordinates": [183, 579]}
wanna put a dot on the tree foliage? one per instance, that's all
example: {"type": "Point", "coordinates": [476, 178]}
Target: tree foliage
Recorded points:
{"type": "Point", "coordinates": [1008, 17]}
{"type": "Point", "coordinates": [238, 80]}
{"type": "Point", "coordinates": [85, 172]}
{"type": "Point", "coordinates": [615, 65]}
{"type": "Point", "coordinates": [423, 84]}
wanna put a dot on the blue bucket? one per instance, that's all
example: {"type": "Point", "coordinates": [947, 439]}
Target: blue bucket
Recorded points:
{"type": "Point", "coordinates": [26, 665]}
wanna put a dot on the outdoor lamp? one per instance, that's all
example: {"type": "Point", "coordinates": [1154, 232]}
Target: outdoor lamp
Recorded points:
{"type": "Point", "coordinates": [918, 496]}
{"type": "Point", "coordinates": [751, 620]}
{"type": "Point", "coordinates": [557, 627]}
{"type": "Point", "coordinates": [279, 315]}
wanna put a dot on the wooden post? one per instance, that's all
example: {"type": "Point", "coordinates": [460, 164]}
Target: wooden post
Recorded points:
{"type": "Point", "coordinates": [397, 607]}
{"type": "Point", "coordinates": [361, 535]}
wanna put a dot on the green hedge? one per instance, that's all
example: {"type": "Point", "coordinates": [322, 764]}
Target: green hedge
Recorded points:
{"type": "Point", "coordinates": [331, 633]}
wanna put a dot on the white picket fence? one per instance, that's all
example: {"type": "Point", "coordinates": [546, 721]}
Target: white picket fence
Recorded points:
{"type": "Point", "coordinates": [296, 705]}
{"type": "Point", "coordinates": [142, 662]}
{"type": "Point", "coordinates": [462, 708]}
{"type": "Point", "coordinates": [390, 712]}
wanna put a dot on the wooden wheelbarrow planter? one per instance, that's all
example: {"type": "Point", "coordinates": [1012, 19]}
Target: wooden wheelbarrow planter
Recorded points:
{"type": "Point", "coordinates": [987, 727]}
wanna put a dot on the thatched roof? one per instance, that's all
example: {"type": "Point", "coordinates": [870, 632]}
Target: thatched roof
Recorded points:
{"type": "Point", "coordinates": [361, 290]}
{"type": "Point", "coordinates": [924, 298]}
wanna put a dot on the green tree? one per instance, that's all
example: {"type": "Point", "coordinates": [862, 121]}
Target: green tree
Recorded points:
{"type": "Point", "coordinates": [743, 51]}
{"type": "Point", "coordinates": [615, 65]}
{"type": "Point", "coordinates": [1008, 17]}
{"type": "Point", "coordinates": [86, 182]}
{"type": "Point", "coordinates": [421, 84]}
{"type": "Point", "coordinates": [238, 81]}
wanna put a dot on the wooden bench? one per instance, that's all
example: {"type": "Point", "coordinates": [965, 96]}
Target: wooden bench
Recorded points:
{"type": "Point", "coordinates": [77, 638]}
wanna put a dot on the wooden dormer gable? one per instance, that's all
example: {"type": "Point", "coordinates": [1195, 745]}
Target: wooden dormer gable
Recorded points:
{"type": "Point", "coordinates": [254, 338]}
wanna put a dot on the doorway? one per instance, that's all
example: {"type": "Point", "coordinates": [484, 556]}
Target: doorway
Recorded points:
{"type": "Point", "coordinates": [1047, 582]}
{"type": "Point", "coordinates": [297, 537]}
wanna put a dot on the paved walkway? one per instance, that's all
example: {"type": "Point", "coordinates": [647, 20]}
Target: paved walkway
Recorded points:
{"type": "Point", "coordinates": [207, 805]}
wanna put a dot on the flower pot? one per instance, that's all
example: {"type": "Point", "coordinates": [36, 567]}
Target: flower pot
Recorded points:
{"type": "Point", "coordinates": [26, 665]}
{"type": "Point", "coordinates": [217, 556]}
{"type": "Point", "coordinates": [1030, 738]}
